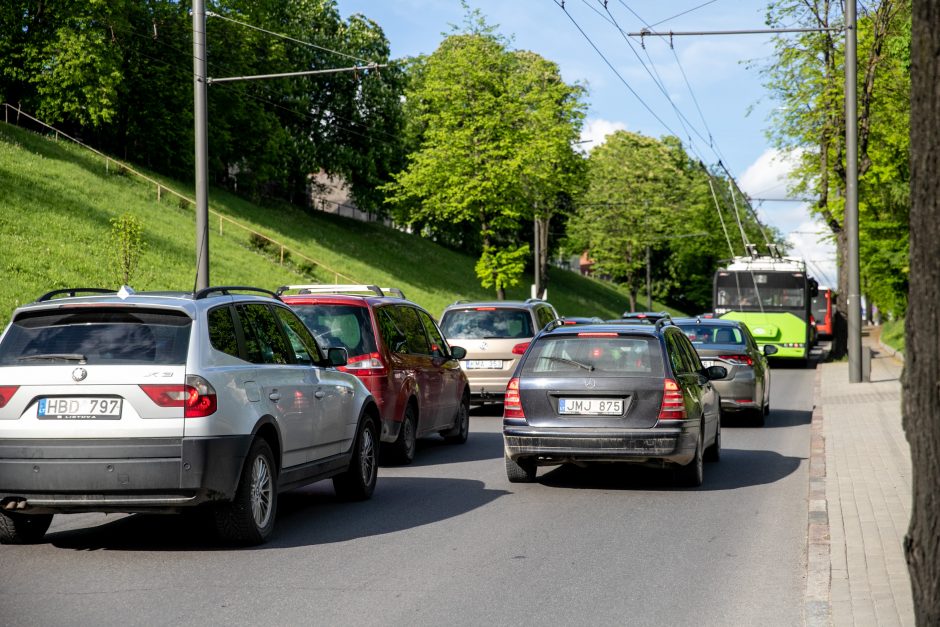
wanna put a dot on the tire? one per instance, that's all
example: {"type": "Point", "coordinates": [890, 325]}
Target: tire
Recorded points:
{"type": "Point", "coordinates": [521, 471]}
{"type": "Point", "coordinates": [713, 452]}
{"type": "Point", "coordinates": [23, 528]}
{"type": "Point", "coordinates": [249, 518]}
{"type": "Point", "coordinates": [461, 430]}
{"type": "Point", "coordinates": [402, 450]}
{"type": "Point", "coordinates": [692, 474]}
{"type": "Point", "coordinates": [358, 482]}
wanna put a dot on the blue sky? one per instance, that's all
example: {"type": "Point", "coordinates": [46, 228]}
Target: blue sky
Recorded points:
{"type": "Point", "coordinates": [709, 79]}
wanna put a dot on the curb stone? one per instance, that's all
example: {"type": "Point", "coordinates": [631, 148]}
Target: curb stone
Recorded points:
{"type": "Point", "coordinates": [817, 607]}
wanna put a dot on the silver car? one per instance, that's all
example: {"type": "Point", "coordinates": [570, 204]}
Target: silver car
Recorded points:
{"type": "Point", "coordinates": [745, 390]}
{"type": "Point", "coordinates": [123, 402]}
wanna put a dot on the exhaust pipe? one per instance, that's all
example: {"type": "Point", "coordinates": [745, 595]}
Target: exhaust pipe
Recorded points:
{"type": "Point", "coordinates": [11, 504]}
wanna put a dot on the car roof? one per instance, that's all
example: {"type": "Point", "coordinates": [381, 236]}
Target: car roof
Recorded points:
{"type": "Point", "coordinates": [717, 322]}
{"type": "Point", "coordinates": [499, 304]}
{"type": "Point", "coordinates": [634, 329]}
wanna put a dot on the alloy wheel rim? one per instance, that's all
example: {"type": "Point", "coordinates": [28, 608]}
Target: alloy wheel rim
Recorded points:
{"type": "Point", "coordinates": [262, 492]}
{"type": "Point", "coordinates": [367, 456]}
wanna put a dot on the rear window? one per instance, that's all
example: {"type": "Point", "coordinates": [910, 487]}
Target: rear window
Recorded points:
{"type": "Point", "coordinates": [595, 356]}
{"type": "Point", "coordinates": [98, 336]}
{"type": "Point", "coordinates": [487, 323]}
{"type": "Point", "coordinates": [339, 326]}
{"type": "Point", "coordinates": [708, 334]}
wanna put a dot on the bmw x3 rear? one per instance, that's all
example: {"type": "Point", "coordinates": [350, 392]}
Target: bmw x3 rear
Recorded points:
{"type": "Point", "coordinates": [161, 402]}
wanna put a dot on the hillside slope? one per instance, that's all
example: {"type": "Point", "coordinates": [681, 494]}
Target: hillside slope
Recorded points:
{"type": "Point", "coordinates": [57, 200]}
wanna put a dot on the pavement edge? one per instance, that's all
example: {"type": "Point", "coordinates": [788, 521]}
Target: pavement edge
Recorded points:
{"type": "Point", "coordinates": [817, 607]}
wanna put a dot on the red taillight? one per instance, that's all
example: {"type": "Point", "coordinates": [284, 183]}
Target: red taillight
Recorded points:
{"type": "Point", "coordinates": [597, 334]}
{"type": "Point", "coordinates": [362, 365]}
{"type": "Point", "coordinates": [486, 309]}
{"type": "Point", "coordinates": [6, 393]}
{"type": "Point", "coordinates": [737, 360]}
{"type": "Point", "coordinates": [512, 402]}
{"type": "Point", "coordinates": [197, 397]}
{"type": "Point", "coordinates": [673, 407]}
{"type": "Point", "coordinates": [519, 349]}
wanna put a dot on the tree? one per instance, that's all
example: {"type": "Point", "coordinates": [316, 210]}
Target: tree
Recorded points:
{"type": "Point", "coordinates": [807, 78]}
{"type": "Point", "coordinates": [922, 364]}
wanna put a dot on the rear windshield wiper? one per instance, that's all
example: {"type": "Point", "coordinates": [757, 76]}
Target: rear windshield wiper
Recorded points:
{"type": "Point", "coordinates": [563, 360]}
{"type": "Point", "coordinates": [54, 357]}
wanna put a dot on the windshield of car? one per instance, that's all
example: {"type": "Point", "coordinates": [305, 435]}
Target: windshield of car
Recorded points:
{"type": "Point", "coordinates": [712, 334]}
{"type": "Point", "coordinates": [623, 356]}
{"type": "Point", "coordinates": [97, 336]}
{"type": "Point", "coordinates": [339, 326]}
{"type": "Point", "coordinates": [487, 323]}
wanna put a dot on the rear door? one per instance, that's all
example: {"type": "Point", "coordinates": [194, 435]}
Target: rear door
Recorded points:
{"type": "Point", "coordinates": [78, 371]}
{"type": "Point", "coordinates": [594, 380]}
{"type": "Point", "coordinates": [417, 355]}
{"type": "Point", "coordinates": [448, 369]}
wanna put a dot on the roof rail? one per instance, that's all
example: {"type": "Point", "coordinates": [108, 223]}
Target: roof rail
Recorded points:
{"type": "Point", "coordinates": [226, 290]}
{"type": "Point", "coordinates": [394, 291]}
{"type": "Point", "coordinates": [460, 302]}
{"type": "Point", "coordinates": [554, 324]}
{"type": "Point", "coordinates": [663, 322]}
{"type": "Point", "coordinates": [534, 300]}
{"type": "Point", "coordinates": [333, 289]}
{"type": "Point", "coordinates": [74, 291]}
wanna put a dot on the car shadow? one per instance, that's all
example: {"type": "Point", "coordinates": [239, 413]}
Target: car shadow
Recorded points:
{"type": "Point", "coordinates": [434, 451]}
{"type": "Point", "coordinates": [306, 516]}
{"type": "Point", "coordinates": [738, 468]}
{"type": "Point", "coordinates": [778, 419]}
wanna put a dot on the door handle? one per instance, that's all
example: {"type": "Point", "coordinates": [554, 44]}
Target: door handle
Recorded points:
{"type": "Point", "coordinates": [275, 396]}
{"type": "Point", "coordinates": [319, 394]}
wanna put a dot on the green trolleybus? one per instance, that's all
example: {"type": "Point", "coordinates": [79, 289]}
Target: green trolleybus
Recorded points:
{"type": "Point", "coordinates": [773, 296]}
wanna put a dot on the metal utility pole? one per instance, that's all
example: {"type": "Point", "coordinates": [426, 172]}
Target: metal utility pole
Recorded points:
{"type": "Point", "coordinates": [853, 302]}
{"type": "Point", "coordinates": [202, 144]}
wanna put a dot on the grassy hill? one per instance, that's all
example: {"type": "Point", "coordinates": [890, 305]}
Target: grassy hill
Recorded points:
{"type": "Point", "coordinates": [57, 200]}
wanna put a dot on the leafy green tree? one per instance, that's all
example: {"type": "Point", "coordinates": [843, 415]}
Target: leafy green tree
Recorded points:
{"type": "Point", "coordinates": [127, 241]}
{"type": "Point", "coordinates": [806, 77]}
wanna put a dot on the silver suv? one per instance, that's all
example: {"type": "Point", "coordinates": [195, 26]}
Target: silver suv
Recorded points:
{"type": "Point", "coordinates": [495, 335]}
{"type": "Point", "coordinates": [124, 402]}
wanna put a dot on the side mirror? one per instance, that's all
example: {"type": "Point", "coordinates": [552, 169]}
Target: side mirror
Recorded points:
{"type": "Point", "coordinates": [337, 356]}
{"type": "Point", "coordinates": [770, 349]}
{"type": "Point", "coordinates": [458, 352]}
{"type": "Point", "coordinates": [716, 372]}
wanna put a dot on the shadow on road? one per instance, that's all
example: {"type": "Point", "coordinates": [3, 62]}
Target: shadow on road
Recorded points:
{"type": "Point", "coordinates": [738, 468]}
{"type": "Point", "coordinates": [480, 445]}
{"type": "Point", "coordinates": [778, 419]}
{"type": "Point", "coordinates": [307, 516]}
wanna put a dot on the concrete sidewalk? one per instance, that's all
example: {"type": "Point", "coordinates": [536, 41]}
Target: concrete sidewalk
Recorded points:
{"type": "Point", "coordinates": [859, 499]}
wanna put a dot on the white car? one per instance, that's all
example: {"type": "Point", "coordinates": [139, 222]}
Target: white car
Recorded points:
{"type": "Point", "coordinates": [124, 402]}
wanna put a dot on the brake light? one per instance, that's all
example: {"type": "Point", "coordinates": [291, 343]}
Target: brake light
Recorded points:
{"type": "Point", "coordinates": [597, 334]}
{"type": "Point", "coordinates": [738, 360]}
{"type": "Point", "coordinates": [197, 397]}
{"type": "Point", "coordinates": [6, 393]}
{"type": "Point", "coordinates": [520, 349]}
{"type": "Point", "coordinates": [486, 309]}
{"type": "Point", "coordinates": [673, 407]}
{"type": "Point", "coordinates": [362, 365]}
{"type": "Point", "coordinates": [512, 402]}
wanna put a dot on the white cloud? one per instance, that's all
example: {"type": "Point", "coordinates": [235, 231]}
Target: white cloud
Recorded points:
{"type": "Point", "coordinates": [812, 242]}
{"type": "Point", "coordinates": [769, 176]}
{"type": "Point", "coordinates": [595, 131]}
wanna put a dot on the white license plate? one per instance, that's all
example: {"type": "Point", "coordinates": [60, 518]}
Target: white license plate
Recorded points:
{"type": "Point", "coordinates": [707, 363]}
{"type": "Point", "coordinates": [590, 406]}
{"type": "Point", "coordinates": [79, 408]}
{"type": "Point", "coordinates": [484, 364]}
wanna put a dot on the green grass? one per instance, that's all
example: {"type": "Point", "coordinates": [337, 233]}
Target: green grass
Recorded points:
{"type": "Point", "coordinates": [57, 200]}
{"type": "Point", "coordinates": [892, 334]}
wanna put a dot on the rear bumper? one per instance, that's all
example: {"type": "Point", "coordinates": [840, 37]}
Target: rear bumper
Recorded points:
{"type": "Point", "coordinates": [488, 388]}
{"type": "Point", "coordinates": [741, 392]}
{"type": "Point", "coordinates": [556, 446]}
{"type": "Point", "coordinates": [119, 475]}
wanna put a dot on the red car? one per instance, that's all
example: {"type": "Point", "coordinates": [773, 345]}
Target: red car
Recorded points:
{"type": "Point", "coordinates": [396, 348]}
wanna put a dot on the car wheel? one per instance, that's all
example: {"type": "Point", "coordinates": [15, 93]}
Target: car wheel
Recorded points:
{"type": "Point", "coordinates": [713, 452]}
{"type": "Point", "coordinates": [692, 474]}
{"type": "Point", "coordinates": [403, 449]}
{"type": "Point", "coordinates": [520, 471]}
{"type": "Point", "coordinates": [23, 528]}
{"type": "Point", "coordinates": [458, 435]}
{"type": "Point", "coordinates": [249, 517]}
{"type": "Point", "coordinates": [358, 482]}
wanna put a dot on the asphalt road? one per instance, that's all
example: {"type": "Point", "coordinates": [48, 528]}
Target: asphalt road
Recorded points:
{"type": "Point", "coordinates": [449, 541]}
